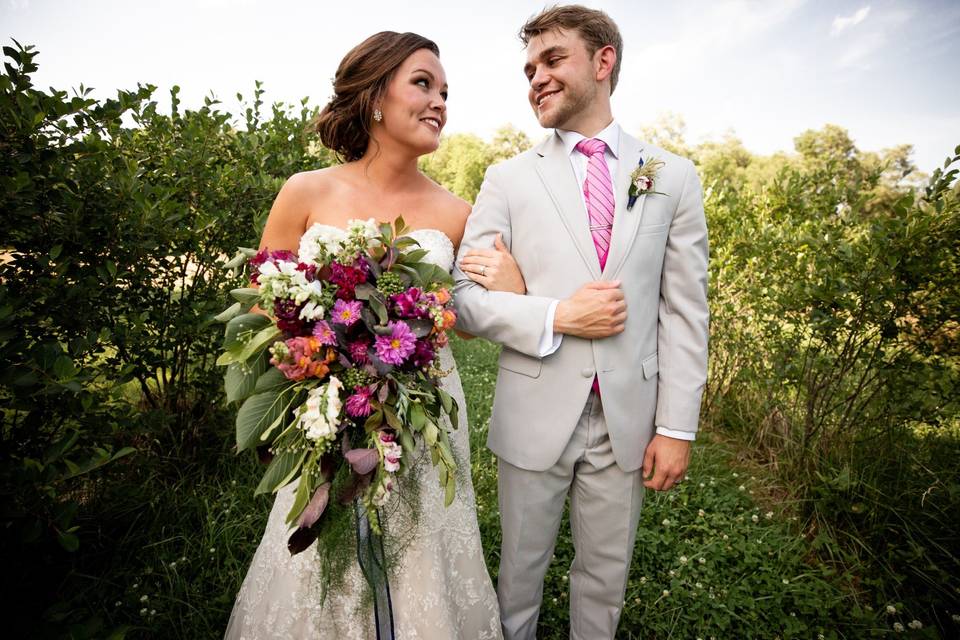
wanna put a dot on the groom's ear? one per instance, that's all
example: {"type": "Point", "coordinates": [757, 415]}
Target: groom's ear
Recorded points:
{"type": "Point", "coordinates": [604, 61]}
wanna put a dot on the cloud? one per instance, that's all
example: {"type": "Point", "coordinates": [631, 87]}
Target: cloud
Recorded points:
{"type": "Point", "coordinates": [842, 23]}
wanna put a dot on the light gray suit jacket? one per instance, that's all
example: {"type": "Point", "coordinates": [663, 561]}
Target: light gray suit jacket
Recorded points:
{"type": "Point", "coordinates": [651, 374]}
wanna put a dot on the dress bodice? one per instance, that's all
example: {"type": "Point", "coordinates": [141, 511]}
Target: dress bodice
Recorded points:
{"type": "Point", "coordinates": [438, 245]}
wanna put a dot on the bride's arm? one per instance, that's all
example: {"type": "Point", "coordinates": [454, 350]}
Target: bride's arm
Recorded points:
{"type": "Point", "coordinates": [287, 220]}
{"type": "Point", "coordinates": [494, 269]}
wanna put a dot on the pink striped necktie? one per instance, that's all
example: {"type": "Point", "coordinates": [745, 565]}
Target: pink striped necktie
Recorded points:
{"type": "Point", "coordinates": [598, 193]}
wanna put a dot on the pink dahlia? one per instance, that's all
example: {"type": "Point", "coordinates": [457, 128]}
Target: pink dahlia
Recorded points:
{"type": "Point", "coordinates": [346, 313]}
{"type": "Point", "coordinates": [358, 404]}
{"type": "Point", "coordinates": [323, 333]}
{"type": "Point", "coordinates": [394, 348]}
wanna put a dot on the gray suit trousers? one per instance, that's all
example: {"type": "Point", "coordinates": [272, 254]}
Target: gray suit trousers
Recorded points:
{"type": "Point", "coordinates": [605, 506]}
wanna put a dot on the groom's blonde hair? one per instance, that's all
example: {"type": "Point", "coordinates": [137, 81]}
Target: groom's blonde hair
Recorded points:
{"type": "Point", "coordinates": [595, 27]}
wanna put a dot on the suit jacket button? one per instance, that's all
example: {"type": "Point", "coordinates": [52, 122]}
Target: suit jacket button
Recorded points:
{"type": "Point", "coordinates": [588, 373]}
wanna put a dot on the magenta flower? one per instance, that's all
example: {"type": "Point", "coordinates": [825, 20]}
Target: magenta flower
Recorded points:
{"type": "Point", "coordinates": [347, 277]}
{"type": "Point", "coordinates": [346, 313]}
{"type": "Point", "coordinates": [423, 354]}
{"type": "Point", "coordinates": [358, 351]}
{"type": "Point", "coordinates": [394, 348]}
{"type": "Point", "coordinates": [323, 333]}
{"type": "Point", "coordinates": [358, 405]}
{"type": "Point", "coordinates": [265, 255]}
{"type": "Point", "coordinates": [408, 303]}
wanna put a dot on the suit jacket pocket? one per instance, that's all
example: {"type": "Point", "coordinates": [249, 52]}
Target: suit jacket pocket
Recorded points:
{"type": "Point", "coordinates": [649, 229]}
{"type": "Point", "coordinates": [650, 366]}
{"type": "Point", "coordinates": [519, 363]}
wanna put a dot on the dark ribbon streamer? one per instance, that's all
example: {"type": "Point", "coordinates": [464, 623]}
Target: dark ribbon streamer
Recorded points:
{"type": "Point", "coordinates": [372, 561]}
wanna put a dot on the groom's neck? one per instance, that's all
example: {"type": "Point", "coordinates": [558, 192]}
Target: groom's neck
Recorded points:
{"type": "Point", "coordinates": [590, 121]}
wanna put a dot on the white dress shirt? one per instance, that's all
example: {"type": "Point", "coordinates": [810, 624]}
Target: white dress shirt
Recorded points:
{"type": "Point", "coordinates": [549, 341]}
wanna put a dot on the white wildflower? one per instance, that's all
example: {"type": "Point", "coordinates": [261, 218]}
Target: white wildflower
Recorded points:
{"type": "Point", "coordinates": [683, 559]}
{"type": "Point", "coordinates": [915, 624]}
{"type": "Point", "coordinates": [755, 518]}
{"type": "Point", "coordinates": [768, 515]}
{"type": "Point", "coordinates": [898, 627]}
{"type": "Point", "coordinates": [891, 609]}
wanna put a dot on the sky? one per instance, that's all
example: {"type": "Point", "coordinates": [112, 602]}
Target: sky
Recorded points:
{"type": "Point", "coordinates": [765, 70]}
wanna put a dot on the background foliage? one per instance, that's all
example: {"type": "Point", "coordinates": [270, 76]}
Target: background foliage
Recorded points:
{"type": "Point", "coordinates": [822, 498]}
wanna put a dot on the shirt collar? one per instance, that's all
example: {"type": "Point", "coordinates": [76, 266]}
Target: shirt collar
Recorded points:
{"type": "Point", "coordinates": [610, 135]}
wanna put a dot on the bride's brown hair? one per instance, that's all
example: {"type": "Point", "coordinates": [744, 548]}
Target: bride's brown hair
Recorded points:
{"type": "Point", "coordinates": [362, 78]}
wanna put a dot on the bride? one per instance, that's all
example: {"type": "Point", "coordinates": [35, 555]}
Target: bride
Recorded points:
{"type": "Point", "coordinates": [388, 110]}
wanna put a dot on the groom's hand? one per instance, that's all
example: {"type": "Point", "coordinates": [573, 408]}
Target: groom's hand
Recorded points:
{"type": "Point", "coordinates": [596, 310]}
{"type": "Point", "coordinates": [665, 462]}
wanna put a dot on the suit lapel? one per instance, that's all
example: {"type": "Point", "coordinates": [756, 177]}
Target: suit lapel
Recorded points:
{"type": "Point", "coordinates": [557, 175]}
{"type": "Point", "coordinates": [624, 222]}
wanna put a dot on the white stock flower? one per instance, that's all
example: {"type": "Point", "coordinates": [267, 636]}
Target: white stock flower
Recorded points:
{"type": "Point", "coordinates": [319, 415]}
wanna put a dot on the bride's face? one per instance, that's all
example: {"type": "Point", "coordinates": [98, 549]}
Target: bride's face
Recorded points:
{"type": "Point", "coordinates": [415, 103]}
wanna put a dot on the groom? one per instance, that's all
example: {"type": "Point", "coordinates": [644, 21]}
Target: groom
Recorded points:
{"type": "Point", "coordinates": [604, 359]}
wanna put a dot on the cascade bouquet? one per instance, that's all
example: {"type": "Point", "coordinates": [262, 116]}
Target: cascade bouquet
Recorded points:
{"type": "Point", "coordinates": [338, 377]}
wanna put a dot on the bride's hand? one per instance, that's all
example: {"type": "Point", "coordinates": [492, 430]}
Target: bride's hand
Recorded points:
{"type": "Point", "coordinates": [494, 269]}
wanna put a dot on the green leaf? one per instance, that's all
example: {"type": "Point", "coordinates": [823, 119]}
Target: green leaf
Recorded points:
{"type": "Point", "coordinates": [271, 378]}
{"type": "Point", "coordinates": [446, 400]}
{"type": "Point", "coordinates": [392, 418]}
{"type": "Point", "coordinates": [451, 490]}
{"type": "Point", "coordinates": [246, 295]}
{"type": "Point", "coordinates": [379, 308]}
{"type": "Point", "coordinates": [407, 442]}
{"type": "Point", "coordinates": [242, 327]}
{"type": "Point", "coordinates": [63, 367]}
{"type": "Point", "coordinates": [241, 378]}
{"type": "Point", "coordinates": [229, 313]}
{"type": "Point", "coordinates": [430, 433]}
{"type": "Point", "coordinates": [373, 421]}
{"type": "Point", "coordinates": [55, 251]}
{"type": "Point", "coordinates": [68, 541]}
{"type": "Point", "coordinates": [301, 499]}
{"type": "Point", "coordinates": [281, 471]}
{"type": "Point", "coordinates": [417, 416]}
{"type": "Point", "coordinates": [257, 413]}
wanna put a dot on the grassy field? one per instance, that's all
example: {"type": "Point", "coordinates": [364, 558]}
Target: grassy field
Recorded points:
{"type": "Point", "coordinates": [713, 557]}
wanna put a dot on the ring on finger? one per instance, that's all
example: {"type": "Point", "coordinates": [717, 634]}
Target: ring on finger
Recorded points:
{"type": "Point", "coordinates": [483, 270]}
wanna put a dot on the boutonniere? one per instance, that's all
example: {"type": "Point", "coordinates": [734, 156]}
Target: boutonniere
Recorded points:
{"type": "Point", "coordinates": [643, 180]}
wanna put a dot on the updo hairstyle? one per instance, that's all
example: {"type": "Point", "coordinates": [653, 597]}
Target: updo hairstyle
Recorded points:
{"type": "Point", "coordinates": [362, 78]}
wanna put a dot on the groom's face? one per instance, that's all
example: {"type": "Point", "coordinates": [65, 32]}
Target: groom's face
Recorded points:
{"type": "Point", "coordinates": [562, 77]}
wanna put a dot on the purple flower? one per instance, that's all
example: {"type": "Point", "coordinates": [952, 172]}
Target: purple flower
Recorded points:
{"type": "Point", "coordinates": [323, 333]}
{"type": "Point", "coordinates": [358, 405]}
{"type": "Point", "coordinates": [423, 354]}
{"type": "Point", "coordinates": [358, 351]}
{"type": "Point", "coordinates": [287, 313]}
{"type": "Point", "coordinates": [346, 313]}
{"type": "Point", "coordinates": [394, 348]}
{"type": "Point", "coordinates": [407, 303]}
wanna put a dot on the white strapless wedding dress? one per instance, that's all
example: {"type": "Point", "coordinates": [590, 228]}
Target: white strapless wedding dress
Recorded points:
{"type": "Point", "coordinates": [441, 590]}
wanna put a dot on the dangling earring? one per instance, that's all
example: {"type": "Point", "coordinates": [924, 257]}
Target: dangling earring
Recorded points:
{"type": "Point", "coordinates": [377, 115]}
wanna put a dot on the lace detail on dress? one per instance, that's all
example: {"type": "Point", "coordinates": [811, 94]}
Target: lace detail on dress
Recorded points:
{"type": "Point", "coordinates": [441, 588]}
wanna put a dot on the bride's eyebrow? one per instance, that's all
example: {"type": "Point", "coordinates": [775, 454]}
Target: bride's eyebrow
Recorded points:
{"type": "Point", "coordinates": [426, 72]}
